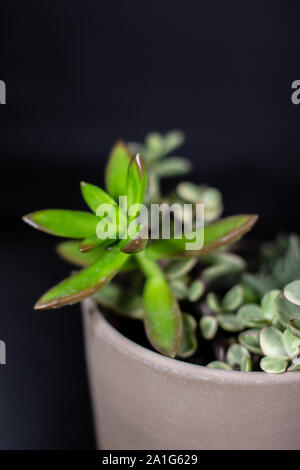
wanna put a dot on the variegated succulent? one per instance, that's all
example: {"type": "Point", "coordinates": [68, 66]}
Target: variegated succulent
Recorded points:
{"type": "Point", "coordinates": [155, 280]}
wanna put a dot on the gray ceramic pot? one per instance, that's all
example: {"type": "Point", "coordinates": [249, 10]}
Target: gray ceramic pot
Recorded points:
{"type": "Point", "coordinates": [143, 400]}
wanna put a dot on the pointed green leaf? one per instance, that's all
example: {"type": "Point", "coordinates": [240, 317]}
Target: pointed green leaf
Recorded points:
{"type": "Point", "coordinates": [120, 301]}
{"type": "Point", "coordinates": [219, 365]}
{"type": "Point", "coordinates": [116, 170]}
{"type": "Point", "coordinates": [230, 322]}
{"type": "Point", "coordinates": [292, 292]}
{"type": "Point", "coordinates": [252, 316]}
{"type": "Point", "coordinates": [63, 223]}
{"type": "Point", "coordinates": [291, 343]}
{"type": "Point", "coordinates": [217, 234]}
{"type": "Point", "coordinates": [137, 244]}
{"type": "Point", "coordinates": [251, 340]}
{"type": "Point", "coordinates": [233, 299]}
{"type": "Point", "coordinates": [195, 291]}
{"type": "Point", "coordinates": [288, 312]}
{"type": "Point", "coordinates": [208, 326]}
{"type": "Point", "coordinates": [188, 344]}
{"type": "Point", "coordinates": [83, 284]}
{"type": "Point", "coordinates": [136, 182]}
{"type": "Point", "coordinates": [274, 364]}
{"type": "Point", "coordinates": [91, 243]}
{"type": "Point", "coordinates": [162, 319]}
{"type": "Point", "coordinates": [95, 196]}
{"type": "Point", "coordinates": [235, 354]}
{"type": "Point", "coordinates": [271, 342]}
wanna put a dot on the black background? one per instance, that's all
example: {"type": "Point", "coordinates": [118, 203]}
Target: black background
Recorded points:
{"type": "Point", "coordinates": [79, 75]}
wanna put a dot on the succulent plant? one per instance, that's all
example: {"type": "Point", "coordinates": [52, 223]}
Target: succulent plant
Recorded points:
{"type": "Point", "coordinates": [153, 280]}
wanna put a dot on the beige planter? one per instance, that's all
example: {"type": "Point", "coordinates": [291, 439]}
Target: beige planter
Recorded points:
{"type": "Point", "coordinates": [143, 400]}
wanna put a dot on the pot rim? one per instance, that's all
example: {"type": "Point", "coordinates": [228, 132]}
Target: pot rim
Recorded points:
{"type": "Point", "coordinates": [119, 343]}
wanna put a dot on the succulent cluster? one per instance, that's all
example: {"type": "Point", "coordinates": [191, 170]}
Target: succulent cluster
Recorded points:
{"type": "Point", "coordinates": [174, 291]}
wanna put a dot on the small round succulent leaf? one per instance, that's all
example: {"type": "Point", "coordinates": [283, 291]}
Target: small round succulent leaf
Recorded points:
{"type": "Point", "coordinates": [291, 343]}
{"type": "Point", "coordinates": [272, 342]}
{"type": "Point", "coordinates": [295, 331]}
{"type": "Point", "coordinates": [188, 191]}
{"type": "Point", "coordinates": [250, 339]}
{"type": "Point", "coordinates": [287, 311]}
{"type": "Point", "coordinates": [179, 289]}
{"type": "Point", "coordinates": [268, 303]}
{"type": "Point", "coordinates": [292, 292]}
{"type": "Point", "coordinates": [235, 354]}
{"type": "Point", "coordinates": [219, 365]}
{"type": "Point", "coordinates": [188, 344]}
{"type": "Point", "coordinates": [213, 302]}
{"type": "Point", "coordinates": [196, 290]}
{"type": "Point", "coordinates": [155, 145]}
{"type": "Point", "coordinates": [173, 140]}
{"type": "Point", "coordinates": [274, 364]}
{"type": "Point", "coordinates": [233, 299]}
{"type": "Point", "coordinates": [230, 322]}
{"type": "Point", "coordinates": [246, 364]}
{"type": "Point", "coordinates": [251, 315]}
{"type": "Point", "coordinates": [208, 326]}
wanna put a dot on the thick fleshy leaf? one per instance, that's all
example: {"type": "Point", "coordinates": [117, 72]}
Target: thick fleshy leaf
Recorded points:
{"type": "Point", "coordinates": [217, 234]}
{"type": "Point", "coordinates": [69, 251]}
{"type": "Point", "coordinates": [208, 326]}
{"type": "Point", "coordinates": [179, 288]}
{"type": "Point", "coordinates": [292, 292]}
{"type": "Point", "coordinates": [233, 299]}
{"type": "Point", "coordinates": [288, 312]}
{"type": "Point", "coordinates": [295, 331]}
{"type": "Point", "coordinates": [246, 364]}
{"type": "Point", "coordinates": [271, 342]}
{"type": "Point", "coordinates": [83, 284]}
{"type": "Point", "coordinates": [251, 340]}
{"type": "Point", "coordinates": [120, 301]}
{"type": "Point", "coordinates": [274, 364]}
{"type": "Point", "coordinates": [63, 223]}
{"type": "Point", "coordinates": [188, 344]}
{"type": "Point", "coordinates": [155, 145]}
{"type": "Point", "coordinates": [195, 291]}
{"type": "Point", "coordinates": [180, 267]}
{"type": "Point", "coordinates": [252, 316]}
{"type": "Point", "coordinates": [293, 367]}
{"type": "Point", "coordinates": [116, 170]}
{"type": "Point", "coordinates": [136, 182]}
{"type": "Point", "coordinates": [291, 343]}
{"type": "Point", "coordinates": [91, 243]}
{"type": "Point", "coordinates": [221, 263]}
{"type": "Point", "coordinates": [268, 304]}
{"type": "Point", "coordinates": [235, 354]}
{"type": "Point", "coordinates": [230, 322]}
{"type": "Point", "coordinates": [173, 140]}
{"type": "Point", "coordinates": [172, 166]}
{"type": "Point", "coordinates": [162, 319]}
{"type": "Point", "coordinates": [219, 365]}
{"type": "Point", "coordinates": [213, 302]}
{"type": "Point", "coordinates": [94, 196]}
{"type": "Point", "coordinates": [137, 244]}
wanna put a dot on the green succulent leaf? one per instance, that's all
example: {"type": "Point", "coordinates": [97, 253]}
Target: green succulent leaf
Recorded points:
{"type": "Point", "coordinates": [217, 234]}
{"type": "Point", "coordinates": [94, 196]}
{"type": "Point", "coordinates": [272, 342]}
{"type": "Point", "coordinates": [213, 302]}
{"type": "Point", "coordinates": [251, 340]}
{"type": "Point", "coordinates": [292, 292]}
{"type": "Point", "coordinates": [195, 291]}
{"type": "Point", "coordinates": [246, 364]}
{"type": "Point", "coordinates": [172, 166]}
{"type": "Point", "coordinates": [63, 223]}
{"type": "Point", "coordinates": [91, 243]}
{"type": "Point", "coordinates": [293, 367]}
{"type": "Point", "coordinates": [219, 365]}
{"type": "Point", "coordinates": [188, 191]}
{"type": "Point", "coordinates": [235, 354]}
{"type": "Point", "coordinates": [173, 140]}
{"type": "Point", "coordinates": [291, 343]}
{"type": "Point", "coordinates": [188, 344]}
{"type": "Point", "coordinates": [268, 304]}
{"type": "Point", "coordinates": [208, 326]}
{"type": "Point", "coordinates": [295, 331]}
{"type": "Point", "coordinates": [137, 244]}
{"type": "Point", "coordinates": [83, 284]}
{"type": "Point", "coordinates": [121, 301]}
{"type": "Point", "coordinates": [179, 268]}
{"type": "Point", "coordinates": [230, 322]}
{"type": "Point", "coordinates": [179, 288]}
{"type": "Point", "coordinates": [116, 170]}
{"type": "Point", "coordinates": [274, 364]}
{"type": "Point", "coordinates": [233, 299]}
{"type": "Point", "coordinates": [155, 145]}
{"type": "Point", "coordinates": [136, 181]}
{"type": "Point", "coordinates": [252, 316]}
{"type": "Point", "coordinates": [162, 319]}
{"type": "Point", "coordinates": [288, 312]}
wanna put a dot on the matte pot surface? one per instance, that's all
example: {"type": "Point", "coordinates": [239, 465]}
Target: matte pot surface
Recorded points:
{"type": "Point", "coordinates": [143, 400]}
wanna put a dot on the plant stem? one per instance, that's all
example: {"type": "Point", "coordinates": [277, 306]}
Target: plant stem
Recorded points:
{"type": "Point", "coordinates": [149, 267]}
